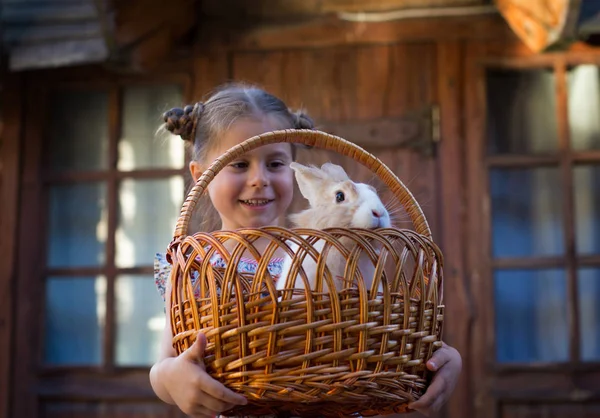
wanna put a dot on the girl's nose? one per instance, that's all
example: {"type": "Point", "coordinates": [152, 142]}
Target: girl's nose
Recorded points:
{"type": "Point", "coordinates": [259, 177]}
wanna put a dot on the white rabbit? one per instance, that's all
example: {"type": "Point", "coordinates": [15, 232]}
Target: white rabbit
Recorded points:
{"type": "Point", "coordinates": [335, 201]}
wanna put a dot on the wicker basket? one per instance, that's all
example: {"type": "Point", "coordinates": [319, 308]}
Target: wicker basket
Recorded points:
{"type": "Point", "coordinates": [348, 353]}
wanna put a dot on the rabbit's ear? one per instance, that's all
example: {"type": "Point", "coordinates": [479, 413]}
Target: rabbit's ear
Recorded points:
{"type": "Point", "coordinates": [311, 181]}
{"type": "Point", "coordinates": [336, 172]}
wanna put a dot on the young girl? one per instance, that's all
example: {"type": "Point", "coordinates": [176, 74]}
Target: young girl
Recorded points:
{"type": "Point", "coordinates": [253, 191]}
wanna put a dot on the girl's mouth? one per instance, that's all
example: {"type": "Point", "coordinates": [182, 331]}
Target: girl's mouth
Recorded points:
{"type": "Point", "coordinates": [256, 202]}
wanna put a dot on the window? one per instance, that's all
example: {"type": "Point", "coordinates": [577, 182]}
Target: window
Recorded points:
{"type": "Point", "coordinates": [544, 188]}
{"type": "Point", "coordinates": [114, 192]}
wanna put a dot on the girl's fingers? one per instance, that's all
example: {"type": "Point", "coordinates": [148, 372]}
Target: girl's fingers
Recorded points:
{"type": "Point", "coordinates": [213, 388]}
{"type": "Point", "coordinates": [439, 358]}
{"type": "Point", "coordinates": [214, 404]}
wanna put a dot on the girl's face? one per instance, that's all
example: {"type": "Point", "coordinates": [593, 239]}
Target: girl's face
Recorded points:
{"type": "Point", "coordinates": [256, 189]}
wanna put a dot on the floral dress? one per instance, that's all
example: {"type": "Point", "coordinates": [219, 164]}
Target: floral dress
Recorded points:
{"type": "Point", "coordinates": [162, 269]}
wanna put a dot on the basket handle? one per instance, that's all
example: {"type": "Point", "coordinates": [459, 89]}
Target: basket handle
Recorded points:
{"type": "Point", "coordinates": [313, 138]}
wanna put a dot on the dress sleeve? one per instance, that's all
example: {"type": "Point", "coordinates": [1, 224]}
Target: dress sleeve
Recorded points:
{"type": "Point", "coordinates": [162, 269]}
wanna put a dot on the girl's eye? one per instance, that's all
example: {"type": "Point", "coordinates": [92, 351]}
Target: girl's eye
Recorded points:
{"type": "Point", "coordinates": [340, 197]}
{"type": "Point", "coordinates": [239, 164]}
{"type": "Point", "coordinates": [276, 164]}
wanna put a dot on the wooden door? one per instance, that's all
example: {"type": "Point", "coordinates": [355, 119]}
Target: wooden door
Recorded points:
{"type": "Point", "coordinates": [533, 249]}
{"type": "Point", "coordinates": [370, 94]}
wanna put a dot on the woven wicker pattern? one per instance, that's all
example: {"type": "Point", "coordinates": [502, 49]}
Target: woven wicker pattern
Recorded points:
{"type": "Point", "coordinates": [361, 350]}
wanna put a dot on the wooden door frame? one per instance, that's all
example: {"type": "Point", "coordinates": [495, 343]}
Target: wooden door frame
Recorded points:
{"type": "Point", "coordinates": [451, 180]}
{"type": "Point", "coordinates": [492, 383]}
{"type": "Point", "coordinates": [10, 158]}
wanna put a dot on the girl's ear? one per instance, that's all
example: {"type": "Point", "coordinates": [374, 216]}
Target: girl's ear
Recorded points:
{"type": "Point", "coordinates": [195, 170]}
{"type": "Point", "coordinates": [311, 181]}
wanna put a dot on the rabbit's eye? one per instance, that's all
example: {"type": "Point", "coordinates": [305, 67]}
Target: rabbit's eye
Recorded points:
{"type": "Point", "coordinates": [339, 197]}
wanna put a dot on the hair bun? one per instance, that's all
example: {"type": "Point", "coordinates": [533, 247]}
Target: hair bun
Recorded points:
{"type": "Point", "coordinates": [302, 120]}
{"type": "Point", "coordinates": [182, 122]}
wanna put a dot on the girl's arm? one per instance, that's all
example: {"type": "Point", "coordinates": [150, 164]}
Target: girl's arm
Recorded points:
{"type": "Point", "coordinates": [182, 380]}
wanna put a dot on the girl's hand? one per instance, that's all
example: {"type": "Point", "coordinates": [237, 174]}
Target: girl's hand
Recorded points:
{"type": "Point", "coordinates": [447, 364]}
{"type": "Point", "coordinates": [192, 389]}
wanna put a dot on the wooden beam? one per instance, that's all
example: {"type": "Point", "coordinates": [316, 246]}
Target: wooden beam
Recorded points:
{"type": "Point", "coordinates": [459, 309]}
{"type": "Point", "coordinates": [477, 264]}
{"type": "Point", "coordinates": [10, 166]}
{"type": "Point", "coordinates": [396, 132]}
{"type": "Point", "coordinates": [541, 23]}
{"type": "Point", "coordinates": [277, 9]}
{"type": "Point", "coordinates": [330, 31]}
{"type": "Point", "coordinates": [29, 297]}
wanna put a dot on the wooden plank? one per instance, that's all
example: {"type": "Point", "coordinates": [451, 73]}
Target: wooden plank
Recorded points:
{"type": "Point", "coordinates": [372, 81]}
{"type": "Point", "coordinates": [280, 9]}
{"type": "Point", "coordinates": [30, 260]}
{"type": "Point", "coordinates": [10, 165]}
{"type": "Point", "coordinates": [209, 69]}
{"type": "Point", "coordinates": [78, 409]}
{"type": "Point", "coordinates": [89, 176]}
{"type": "Point", "coordinates": [528, 263]}
{"type": "Point", "coordinates": [516, 161]}
{"type": "Point", "coordinates": [564, 145]}
{"type": "Point", "coordinates": [69, 384]}
{"type": "Point", "coordinates": [319, 33]}
{"type": "Point", "coordinates": [459, 310]}
{"type": "Point", "coordinates": [478, 235]}
{"type": "Point", "coordinates": [551, 409]}
{"type": "Point", "coordinates": [400, 132]}
{"type": "Point", "coordinates": [112, 199]}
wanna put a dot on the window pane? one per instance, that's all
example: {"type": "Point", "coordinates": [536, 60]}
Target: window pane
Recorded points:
{"type": "Point", "coordinates": [140, 320]}
{"type": "Point", "coordinates": [531, 316]}
{"type": "Point", "coordinates": [75, 315]}
{"type": "Point", "coordinates": [526, 212]}
{"type": "Point", "coordinates": [586, 185]}
{"type": "Point", "coordinates": [78, 225]}
{"type": "Point", "coordinates": [147, 216]}
{"type": "Point", "coordinates": [140, 146]}
{"type": "Point", "coordinates": [521, 111]}
{"type": "Point", "coordinates": [78, 131]}
{"type": "Point", "coordinates": [584, 107]}
{"type": "Point", "coordinates": [589, 313]}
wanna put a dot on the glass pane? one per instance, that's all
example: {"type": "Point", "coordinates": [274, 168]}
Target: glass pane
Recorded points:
{"type": "Point", "coordinates": [78, 131]}
{"type": "Point", "coordinates": [141, 146]}
{"type": "Point", "coordinates": [589, 313]}
{"type": "Point", "coordinates": [531, 316]}
{"type": "Point", "coordinates": [584, 107]}
{"type": "Point", "coordinates": [526, 212]}
{"type": "Point", "coordinates": [140, 320]}
{"type": "Point", "coordinates": [75, 317]}
{"type": "Point", "coordinates": [148, 213]}
{"type": "Point", "coordinates": [586, 185]}
{"type": "Point", "coordinates": [521, 112]}
{"type": "Point", "coordinates": [78, 225]}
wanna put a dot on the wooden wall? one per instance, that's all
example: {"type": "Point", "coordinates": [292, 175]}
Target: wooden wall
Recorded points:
{"type": "Point", "coordinates": [340, 73]}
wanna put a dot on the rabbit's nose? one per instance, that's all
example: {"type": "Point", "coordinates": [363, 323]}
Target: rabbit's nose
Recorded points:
{"type": "Point", "coordinates": [376, 213]}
